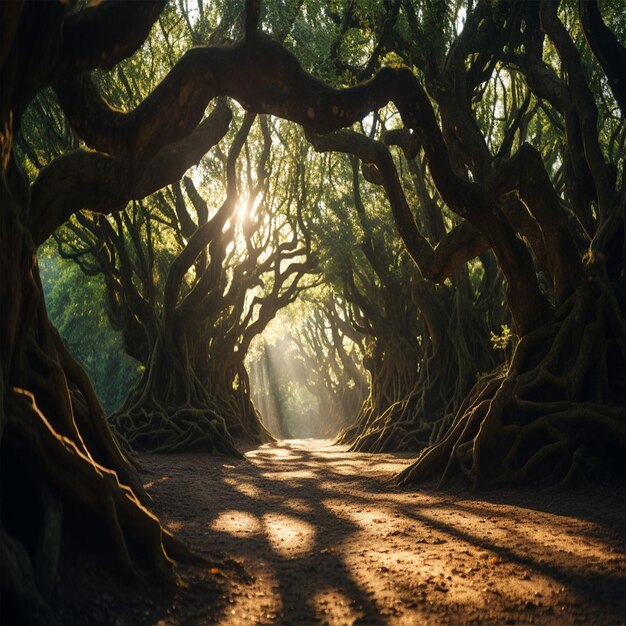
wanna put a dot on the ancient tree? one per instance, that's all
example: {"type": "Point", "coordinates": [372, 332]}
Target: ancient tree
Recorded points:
{"type": "Point", "coordinates": [369, 265]}
{"type": "Point", "coordinates": [59, 457]}
{"type": "Point", "coordinates": [556, 412]}
{"type": "Point", "coordinates": [555, 227]}
{"type": "Point", "coordinates": [190, 285]}
{"type": "Point", "coordinates": [427, 342]}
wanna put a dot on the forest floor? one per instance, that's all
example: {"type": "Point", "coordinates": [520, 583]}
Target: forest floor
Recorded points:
{"type": "Point", "coordinates": [327, 540]}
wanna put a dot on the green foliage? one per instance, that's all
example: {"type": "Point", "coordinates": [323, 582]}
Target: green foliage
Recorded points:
{"type": "Point", "coordinates": [501, 341]}
{"type": "Point", "coordinates": [75, 306]}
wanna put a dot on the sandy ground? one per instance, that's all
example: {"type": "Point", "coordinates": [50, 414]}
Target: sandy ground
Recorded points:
{"type": "Point", "coordinates": [325, 538]}
{"type": "Point", "coordinates": [328, 540]}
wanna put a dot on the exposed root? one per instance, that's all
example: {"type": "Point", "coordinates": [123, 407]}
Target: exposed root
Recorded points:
{"type": "Point", "coordinates": [20, 594]}
{"type": "Point", "coordinates": [231, 396]}
{"type": "Point", "coordinates": [391, 382]}
{"type": "Point", "coordinates": [170, 411]}
{"type": "Point", "coordinates": [167, 430]}
{"type": "Point", "coordinates": [71, 484]}
{"type": "Point", "coordinates": [173, 410]}
{"type": "Point", "coordinates": [556, 415]}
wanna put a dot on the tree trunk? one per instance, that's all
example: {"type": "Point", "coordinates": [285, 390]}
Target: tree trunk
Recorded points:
{"type": "Point", "coordinates": [555, 414]}
{"type": "Point", "coordinates": [60, 461]}
{"type": "Point", "coordinates": [171, 410]}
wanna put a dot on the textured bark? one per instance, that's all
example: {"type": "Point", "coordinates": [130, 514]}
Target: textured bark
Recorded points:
{"type": "Point", "coordinates": [418, 379]}
{"type": "Point", "coordinates": [195, 360]}
{"type": "Point", "coordinates": [60, 460]}
{"type": "Point", "coordinates": [555, 414]}
{"type": "Point", "coordinates": [606, 47]}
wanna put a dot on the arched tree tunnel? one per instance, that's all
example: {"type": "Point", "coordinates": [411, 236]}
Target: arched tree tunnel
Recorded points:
{"type": "Point", "coordinates": [390, 231]}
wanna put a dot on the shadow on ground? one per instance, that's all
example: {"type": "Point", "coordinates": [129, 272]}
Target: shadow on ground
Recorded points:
{"type": "Point", "coordinates": [330, 540]}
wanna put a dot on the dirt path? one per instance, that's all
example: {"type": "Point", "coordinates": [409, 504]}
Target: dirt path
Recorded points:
{"type": "Point", "coordinates": [329, 541]}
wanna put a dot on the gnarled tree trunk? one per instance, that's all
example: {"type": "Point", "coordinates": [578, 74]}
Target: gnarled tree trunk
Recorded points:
{"type": "Point", "coordinates": [60, 461]}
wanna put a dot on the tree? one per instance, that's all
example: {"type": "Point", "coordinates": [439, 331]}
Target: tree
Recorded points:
{"type": "Point", "coordinates": [558, 406]}
{"type": "Point", "coordinates": [57, 448]}
{"type": "Point", "coordinates": [427, 343]}
{"type": "Point", "coordinates": [331, 352]}
{"type": "Point", "coordinates": [190, 286]}
{"type": "Point", "coordinates": [367, 261]}
{"type": "Point", "coordinates": [153, 251]}
{"type": "Point", "coordinates": [54, 432]}
{"type": "Point", "coordinates": [308, 381]}
{"type": "Point", "coordinates": [248, 264]}
{"type": "Point", "coordinates": [523, 423]}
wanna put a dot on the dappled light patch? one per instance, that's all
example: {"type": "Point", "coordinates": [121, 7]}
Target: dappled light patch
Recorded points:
{"type": "Point", "coordinates": [289, 536]}
{"type": "Point", "coordinates": [237, 523]}
{"type": "Point", "coordinates": [296, 476]}
{"type": "Point", "coordinates": [247, 489]}
{"type": "Point", "coordinates": [279, 451]}
{"type": "Point", "coordinates": [390, 555]}
{"type": "Point", "coordinates": [174, 526]}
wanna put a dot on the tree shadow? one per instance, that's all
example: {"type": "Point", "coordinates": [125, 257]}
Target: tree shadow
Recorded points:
{"type": "Point", "coordinates": [297, 517]}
